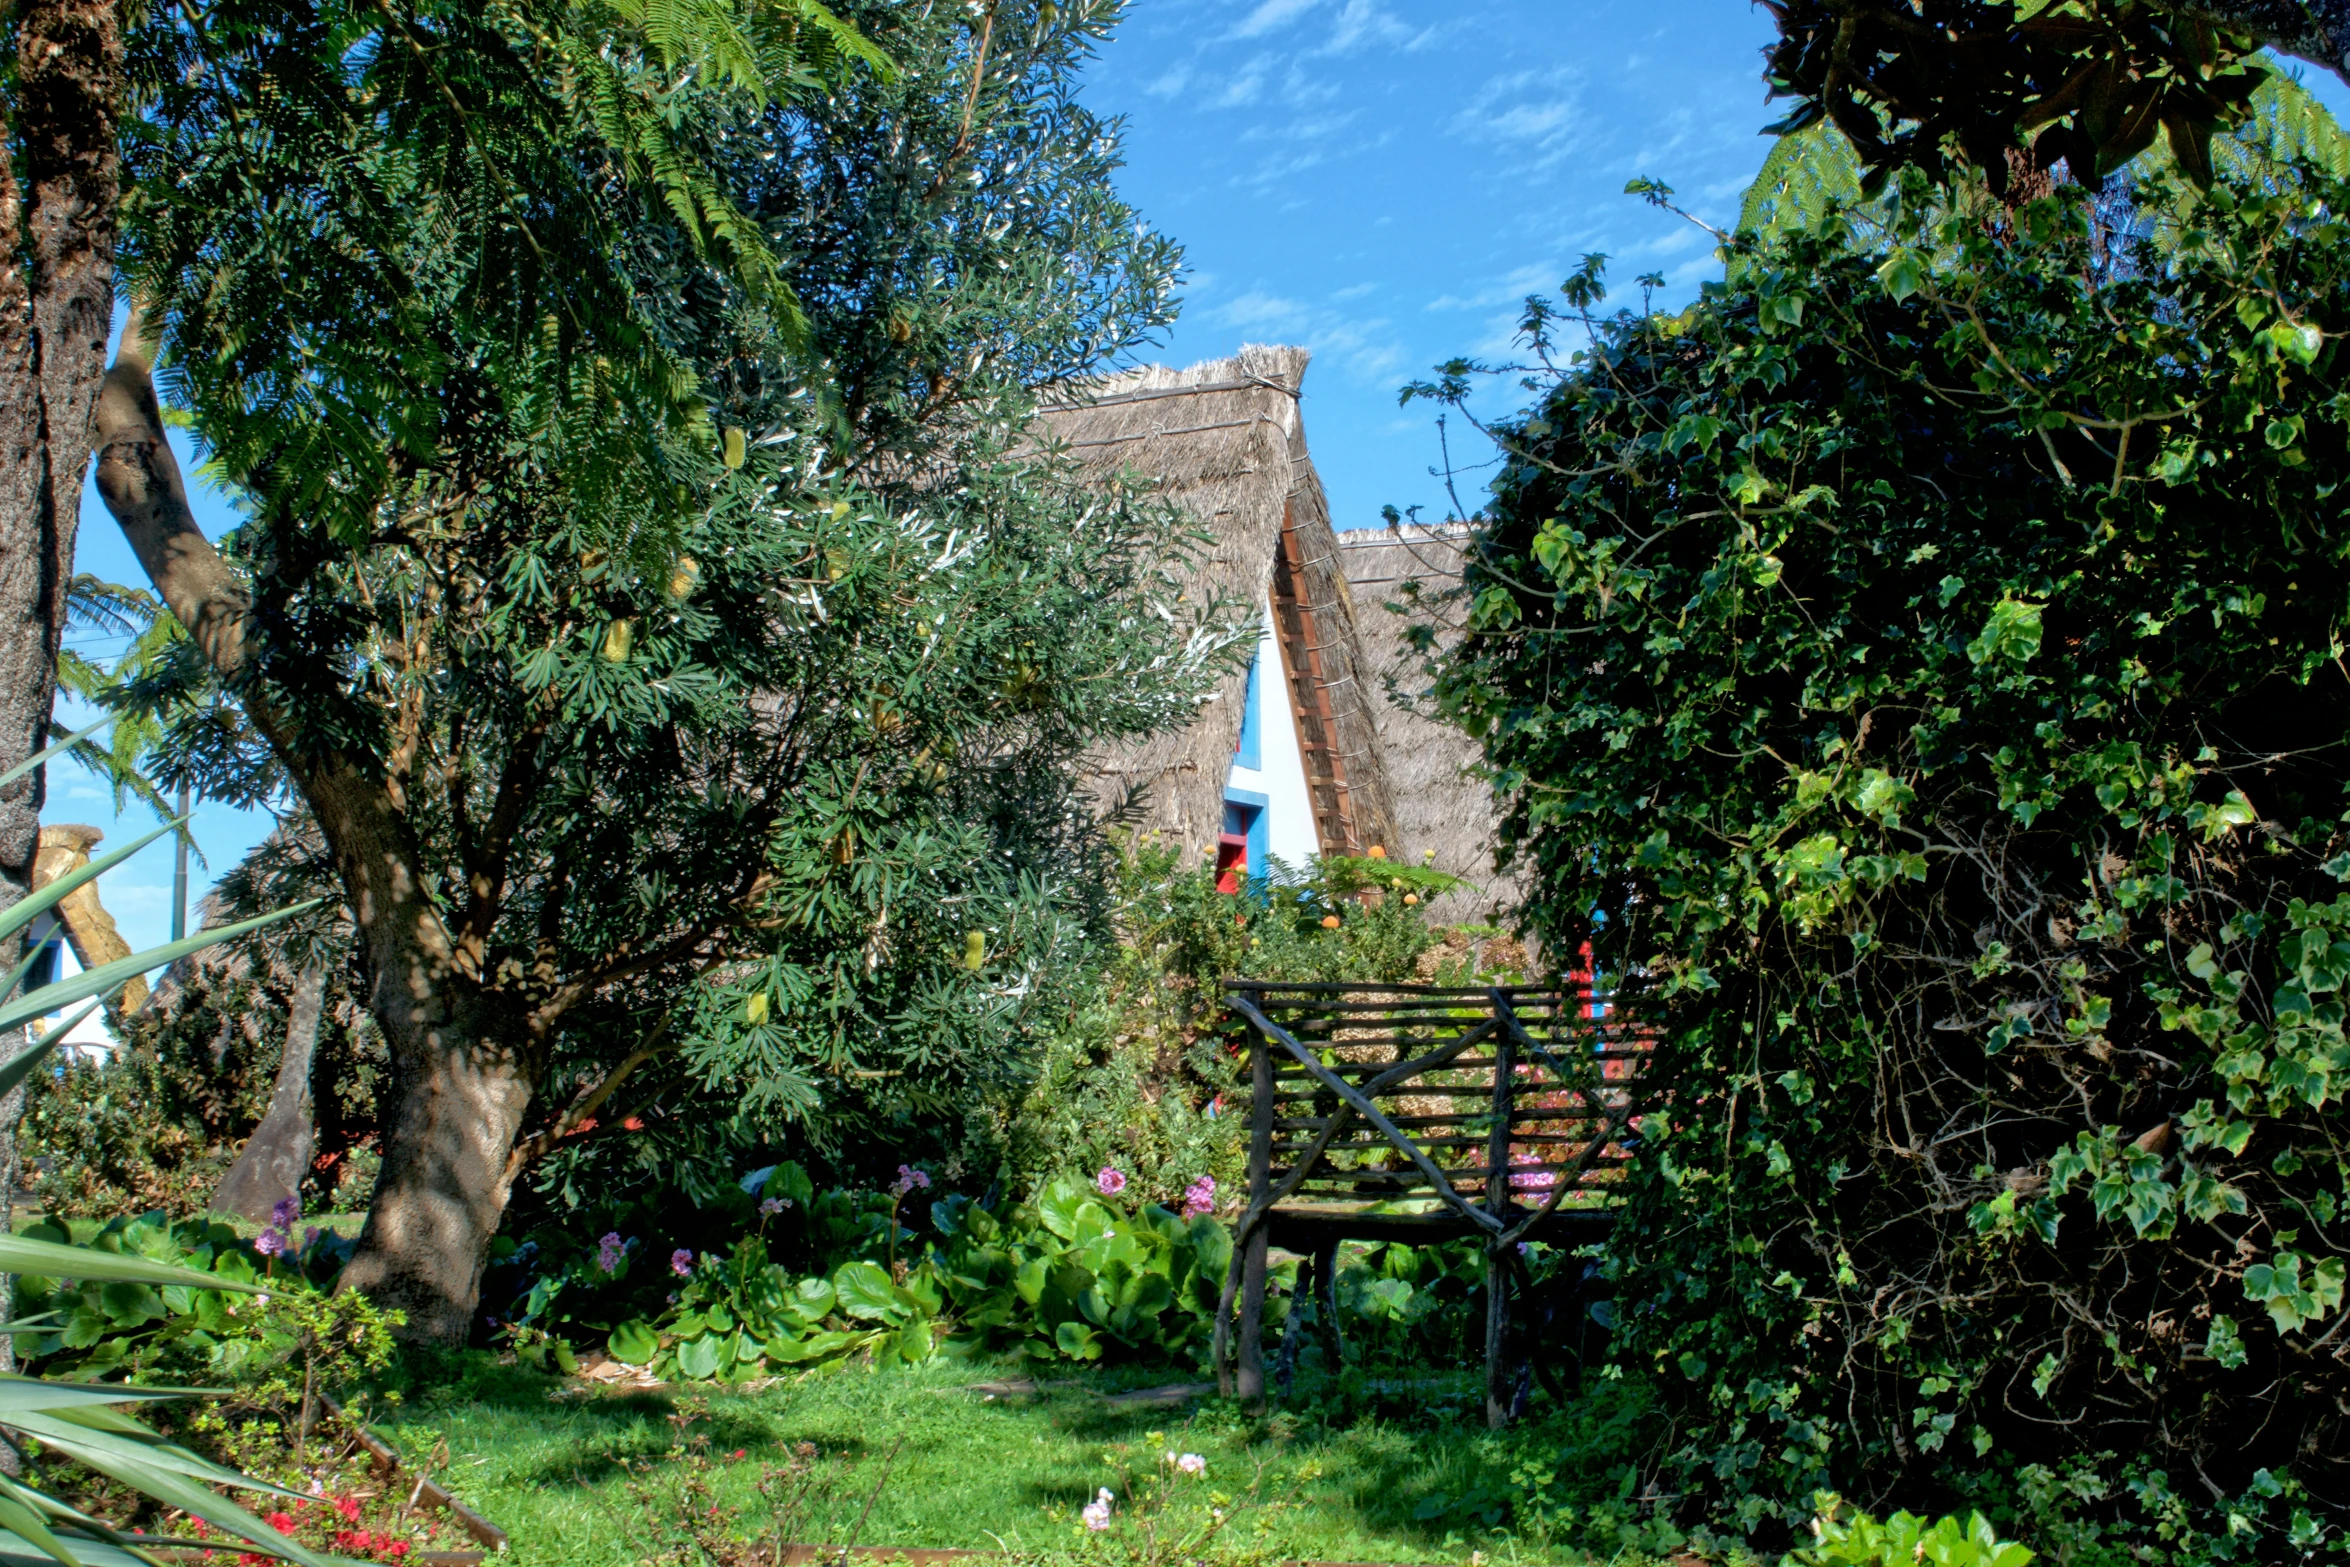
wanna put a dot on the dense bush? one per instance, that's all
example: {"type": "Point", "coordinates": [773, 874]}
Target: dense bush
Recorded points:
{"type": "Point", "coordinates": [1918, 665]}
{"type": "Point", "coordinates": [156, 1126]}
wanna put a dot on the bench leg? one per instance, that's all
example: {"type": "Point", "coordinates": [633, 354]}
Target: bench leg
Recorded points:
{"type": "Point", "coordinates": [1326, 1276]}
{"type": "Point", "coordinates": [1499, 1395]}
{"type": "Point", "coordinates": [1251, 1381]}
{"type": "Point", "coordinates": [1293, 1329]}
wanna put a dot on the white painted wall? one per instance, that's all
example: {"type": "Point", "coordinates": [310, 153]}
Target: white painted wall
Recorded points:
{"type": "Point", "coordinates": [1289, 825]}
{"type": "Point", "coordinates": [91, 1038]}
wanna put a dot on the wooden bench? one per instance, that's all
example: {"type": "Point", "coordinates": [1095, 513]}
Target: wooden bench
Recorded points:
{"type": "Point", "coordinates": [1424, 1113]}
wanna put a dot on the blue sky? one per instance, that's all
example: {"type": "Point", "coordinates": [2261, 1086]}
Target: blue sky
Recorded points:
{"type": "Point", "coordinates": [1385, 181]}
{"type": "Point", "coordinates": [1381, 181]}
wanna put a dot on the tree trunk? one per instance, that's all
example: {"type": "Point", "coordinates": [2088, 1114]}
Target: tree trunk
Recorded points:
{"type": "Point", "coordinates": [269, 1169]}
{"type": "Point", "coordinates": [56, 303]}
{"type": "Point", "coordinates": [456, 1109]}
{"type": "Point", "coordinates": [463, 1064]}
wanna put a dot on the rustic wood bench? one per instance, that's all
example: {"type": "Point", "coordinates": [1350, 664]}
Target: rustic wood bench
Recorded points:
{"type": "Point", "coordinates": [1425, 1113]}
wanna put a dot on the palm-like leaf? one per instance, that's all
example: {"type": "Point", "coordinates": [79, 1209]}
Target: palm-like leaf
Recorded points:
{"type": "Point", "coordinates": [81, 1421]}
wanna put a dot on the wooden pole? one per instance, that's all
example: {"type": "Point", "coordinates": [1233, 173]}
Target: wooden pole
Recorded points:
{"type": "Point", "coordinates": [1251, 1380]}
{"type": "Point", "coordinates": [1497, 1203]}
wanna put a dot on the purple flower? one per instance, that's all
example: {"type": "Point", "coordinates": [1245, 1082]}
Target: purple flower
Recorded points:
{"type": "Point", "coordinates": [909, 1179]}
{"type": "Point", "coordinates": [288, 1209]}
{"type": "Point", "coordinates": [774, 1205]}
{"type": "Point", "coordinates": [611, 1251]}
{"type": "Point", "coordinates": [310, 1236]}
{"type": "Point", "coordinates": [1111, 1181]}
{"type": "Point", "coordinates": [270, 1243]}
{"type": "Point", "coordinates": [681, 1262]}
{"type": "Point", "coordinates": [1199, 1197]}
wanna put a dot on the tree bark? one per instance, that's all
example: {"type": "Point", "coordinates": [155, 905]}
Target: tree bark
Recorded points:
{"type": "Point", "coordinates": [463, 1059]}
{"type": "Point", "coordinates": [57, 227]}
{"type": "Point", "coordinates": [269, 1168]}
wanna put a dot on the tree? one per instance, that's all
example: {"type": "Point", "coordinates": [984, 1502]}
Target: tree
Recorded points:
{"type": "Point", "coordinates": [2015, 90]}
{"type": "Point", "coordinates": [487, 107]}
{"type": "Point", "coordinates": [62, 79]}
{"type": "Point", "coordinates": [1915, 667]}
{"type": "Point", "coordinates": [749, 748]}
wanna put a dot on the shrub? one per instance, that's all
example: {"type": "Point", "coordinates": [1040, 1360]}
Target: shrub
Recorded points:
{"type": "Point", "coordinates": [1949, 748]}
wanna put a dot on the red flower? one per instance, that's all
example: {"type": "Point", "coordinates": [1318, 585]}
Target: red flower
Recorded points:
{"type": "Point", "coordinates": [397, 1549]}
{"type": "Point", "coordinates": [742, 1452]}
{"type": "Point", "coordinates": [283, 1523]}
{"type": "Point", "coordinates": [348, 1506]}
{"type": "Point", "coordinates": [635, 1123]}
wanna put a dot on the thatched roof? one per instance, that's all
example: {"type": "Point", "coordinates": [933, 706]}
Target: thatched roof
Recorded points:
{"type": "Point", "coordinates": [1225, 442]}
{"type": "Point", "coordinates": [1400, 576]}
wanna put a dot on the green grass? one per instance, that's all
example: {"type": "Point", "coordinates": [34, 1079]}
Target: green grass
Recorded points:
{"type": "Point", "coordinates": [968, 1470]}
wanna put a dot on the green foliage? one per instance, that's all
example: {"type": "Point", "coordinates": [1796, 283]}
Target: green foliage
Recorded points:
{"type": "Point", "coordinates": [2006, 88]}
{"type": "Point", "coordinates": [1905, 1538]}
{"type": "Point", "coordinates": [761, 723]}
{"type": "Point", "coordinates": [1913, 664]}
{"type": "Point", "coordinates": [1065, 1277]}
{"type": "Point", "coordinates": [117, 1286]}
{"type": "Point", "coordinates": [156, 1126]}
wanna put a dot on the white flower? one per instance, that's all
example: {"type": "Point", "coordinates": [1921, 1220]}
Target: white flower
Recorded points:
{"type": "Point", "coordinates": [1192, 1464]}
{"type": "Point", "coordinates": [1096, 1513]}
{"type": "Point", "coordinates": [261, 1300]}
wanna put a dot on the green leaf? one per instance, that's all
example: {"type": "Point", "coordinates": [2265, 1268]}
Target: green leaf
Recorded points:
{"type": "Point", "coordinates": [699, 1358]}
{"type": "Point", "coordinates": [865, 1291]}
{"type": "Point", "coordinates": [1902, 274]}
{"type": "Point", "coordinates": [633, 1343]}
{"type": "Point", "coordinates": [2010, 635]}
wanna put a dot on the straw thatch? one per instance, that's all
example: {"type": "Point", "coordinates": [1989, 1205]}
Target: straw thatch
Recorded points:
{"type": "Point", "coordinates": [1224, 441]}
{"type": "Point", "coordinates": [1399, 576]}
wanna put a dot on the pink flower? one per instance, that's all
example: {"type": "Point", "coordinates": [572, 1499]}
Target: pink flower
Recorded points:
{"type": "Point", "coordinates": [909, 1179]}
{"type": "Point", "coordinates": [1096, 1513]}
{"type": "Point", "coordinates": [1192, 1464]}
{"type": "Point", "coordinates": [1111, 1181]}
{"type": "Point", "coordinates": [681, 1262]}
{"type": "Point", "coordinates": [1199, 1197]}
{"type": "Point", "coordinates": [774, 1205]}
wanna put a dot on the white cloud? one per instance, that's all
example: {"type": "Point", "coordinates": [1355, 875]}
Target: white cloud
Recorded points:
{"type": "Point", "coordinates": [1270, 14]}
{"type": "Point", "coordinates": [1170, 83]}
{"type": "Point", "coordinates": [1365, 21]}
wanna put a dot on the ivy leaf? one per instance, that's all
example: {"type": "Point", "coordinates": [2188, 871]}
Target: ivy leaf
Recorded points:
{"type": "Point", "coordinates": [1903, 274]}
{"type": "Point", "coordinates": [2011, 634]}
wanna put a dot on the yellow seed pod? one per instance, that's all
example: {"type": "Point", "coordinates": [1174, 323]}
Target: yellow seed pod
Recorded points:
{"type": "Point", "coordinates": [1378, 851]}
{"type": "Point", "coordinates": [1329, 922]}
{"type": "Point", "coordinates": [836, 564]}
{"type": "Point", "coordinates": [684, 576]}
{"type": "Point", "coordinates": [901, 327]}
{"type": "Point", "coordinates": [844, 847]}
{"type": "Point", "coordinates": [974, 950]}
{"type": "Point", "coordinates": [1410, 898]}
{"type": "Point", "coordinates": [755, 1009]}
{"type": "Point", "coordinates": [738, 446]}
{"type": "Point", "coordinates": [619, 638]}
{"type": "Point", "coordinates": [840, 509]}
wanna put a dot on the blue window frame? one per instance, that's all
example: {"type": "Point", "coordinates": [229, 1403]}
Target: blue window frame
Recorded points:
{"type": "Point", "coordinates": [1250, 750]}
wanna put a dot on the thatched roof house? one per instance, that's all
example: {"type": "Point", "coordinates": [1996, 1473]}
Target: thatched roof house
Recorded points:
{"type": "Point", "coordinates": [1306, 753]}
{"type": "Point", "coordinates": [1399, 576]}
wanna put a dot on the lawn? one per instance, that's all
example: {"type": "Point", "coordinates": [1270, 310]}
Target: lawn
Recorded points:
{"type": "Point", "coordinates": [943, 1461]}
